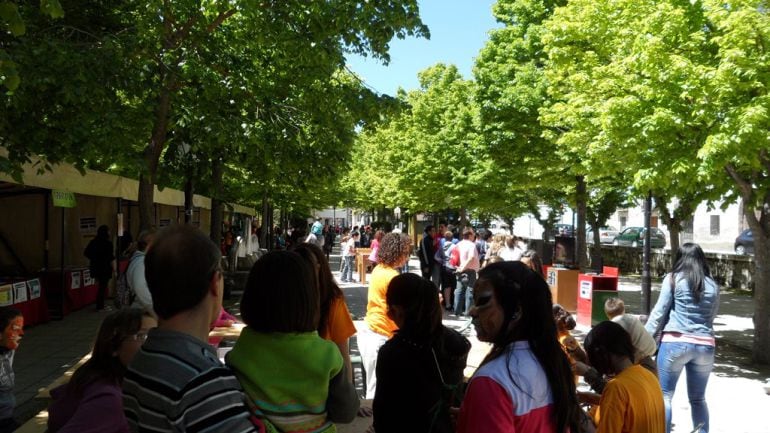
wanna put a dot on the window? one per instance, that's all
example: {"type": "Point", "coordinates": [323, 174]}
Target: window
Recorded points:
{"type": "Point", "coordinates": [714, 225]}
{"type": "Point", "coordinates": [687, 226]}
{"type": "Point", "coordinates": [623, 220]}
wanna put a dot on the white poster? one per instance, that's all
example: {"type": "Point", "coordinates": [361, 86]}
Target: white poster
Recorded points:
{"type": "Point", "coordinates": [19, 292]}
{"type": "Point", "coordinates": [75, 280]}
{"type": "Point", "coordinates": [585, 289]}
{"type": "Point", "coordinates": [87, 281]}
{"type": "Point", "coordinates": [34, 288]}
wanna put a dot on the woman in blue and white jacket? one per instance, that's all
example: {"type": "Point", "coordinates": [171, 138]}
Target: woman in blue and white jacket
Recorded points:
{"type": "Point", "coordinates": [684, 314]}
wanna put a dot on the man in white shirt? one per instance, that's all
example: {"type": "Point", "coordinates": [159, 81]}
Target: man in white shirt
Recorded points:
{"type": "Point", "coordinates": [466, 272]}
{"type": "Point", "coordinates": [135, 271]}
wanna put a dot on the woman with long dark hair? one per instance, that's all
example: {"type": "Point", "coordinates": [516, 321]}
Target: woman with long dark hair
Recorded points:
{"type": "Point", "coordinates": [92, 401]}
{"type": "Point", "coordinates": [334, 323]}
{"type": "Point", "coordinates": [684, 319]}
{"type": "Point", "coordinates": [420, 369]}
{"type": "Point", "coordinates": [525, 383]}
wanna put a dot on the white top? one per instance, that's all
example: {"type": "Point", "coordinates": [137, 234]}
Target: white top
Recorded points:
{"type": "Point", "coordinates": [643, 342]}
{"type": "Point", "coordinates": [510, 254]}
{"type": "Point", "coordinates": [137, 282]}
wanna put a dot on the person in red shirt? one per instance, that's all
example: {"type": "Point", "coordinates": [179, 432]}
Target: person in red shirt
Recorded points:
{"type": "Point", "coordinates": [525, 383]}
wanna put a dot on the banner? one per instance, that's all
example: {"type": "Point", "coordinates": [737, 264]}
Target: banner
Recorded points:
{"type": "Point", "coordinates": [19, 292]}
{"type": "Point", "coordinates": [63, 198]}
{"type": "Point", "coordinates": [87, 281]}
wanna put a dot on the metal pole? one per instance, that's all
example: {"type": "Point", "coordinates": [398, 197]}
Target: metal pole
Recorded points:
{"type": "Point", "coordinates": [646, 277]}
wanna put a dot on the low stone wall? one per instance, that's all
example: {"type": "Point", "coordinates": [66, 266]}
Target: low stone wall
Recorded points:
{"type": "Point", "coordinates": [729, 270]}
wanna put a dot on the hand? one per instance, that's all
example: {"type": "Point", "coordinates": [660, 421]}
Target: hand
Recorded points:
{"type": "Point", "coordinates": [227, 323]}
{"type": "Point", "coordinates": [580, 368]}
{"type": "Point", "coordinates": [370, 429]}
{"type": "Point", "coordinates": [585, 397]}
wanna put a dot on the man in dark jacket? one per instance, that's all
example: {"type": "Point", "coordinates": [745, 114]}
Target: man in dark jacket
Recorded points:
{"type": "Point", "coordinates": [427, 252]}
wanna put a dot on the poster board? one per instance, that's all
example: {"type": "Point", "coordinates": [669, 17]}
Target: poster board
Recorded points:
{"type": "Point", "coordinates": [6, 295]}
{"type": "Point", "coordinates": [75, 282]}
{"type": "Point", "coordinates": [19, 292]}
{"type": "Point", "coordinates": [34, 288]}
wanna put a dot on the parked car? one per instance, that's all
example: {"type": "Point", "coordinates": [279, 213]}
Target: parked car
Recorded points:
{"type": "Point", "coordinates": [744, 243]}
{"type": "Point", "coordinates": [634, 237]}
{"type": "Point", "coordinates": [499, 228]}
{"type": "Point", "coordinates": [606, 235]}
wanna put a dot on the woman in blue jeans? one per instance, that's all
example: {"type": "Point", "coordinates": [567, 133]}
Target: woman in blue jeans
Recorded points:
{"type": "Point", "coordinates": [684, 315]}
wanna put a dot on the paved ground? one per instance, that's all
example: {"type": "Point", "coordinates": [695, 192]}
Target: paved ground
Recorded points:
{"type": "Point", "coordinates": [735, 394]}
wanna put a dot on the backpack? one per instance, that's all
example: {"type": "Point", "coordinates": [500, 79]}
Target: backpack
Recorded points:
{"type": "Point", "coordinates": [124, 294]}
{"type": "Point", "coordinates": [454, 257]}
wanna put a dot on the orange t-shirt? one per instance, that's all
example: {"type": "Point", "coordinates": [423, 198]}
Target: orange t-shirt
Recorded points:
{"type": "Point", "coordinates": [632, 402]}
{"type": "Point", "coordinates": [377, 307]}
{"type": "Point", "coordinates": [339, 326]}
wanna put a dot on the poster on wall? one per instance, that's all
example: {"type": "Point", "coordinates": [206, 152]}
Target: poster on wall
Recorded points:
{"type": "Point", "coordinates": [34, 288]}
{"type": "Point", "coordinates": [87, 281]}
{"type": "Point", "coordinates": [75, 284]}
{"type": "Point", "coordinates": [6, 295]}
{"type": "Point", "coordinates": [19, 292]}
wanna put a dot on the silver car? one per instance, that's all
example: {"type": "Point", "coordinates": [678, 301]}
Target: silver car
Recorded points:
{"type": "Point", "coordinates": [606, 235]}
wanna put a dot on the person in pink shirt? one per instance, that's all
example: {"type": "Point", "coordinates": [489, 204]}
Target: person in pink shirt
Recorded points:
{"type": "Point", "coordinates": [525, 382]}
{"type": "Point", "coordinates": [466, 272]}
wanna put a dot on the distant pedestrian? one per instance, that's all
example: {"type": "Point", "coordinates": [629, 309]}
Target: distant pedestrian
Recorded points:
{"type": "Point", "coordinates": [532, 259]}
{"type": "Point", "coordinates": [101, 256]}
{"type": "Point", "coordinates": [176, 381]}
{"type": "Point", "coordinates": [349, 258]}
{"type": "Point", "coordinates": [135, 271]}
{"type": "Point", "coordinates": [466, 273]}
{"type": "Point", "coordinates": [684, 314]}
{"type": "Point", "coordinates": [420, 369]}
{"type": "Point", "coordinates": [375, 245]}
{"type": "Point", "coordinates": [427, 253]}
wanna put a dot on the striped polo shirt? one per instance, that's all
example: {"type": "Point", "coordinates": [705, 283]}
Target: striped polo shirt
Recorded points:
{"type": "Point", "coordinates": [177, 383]}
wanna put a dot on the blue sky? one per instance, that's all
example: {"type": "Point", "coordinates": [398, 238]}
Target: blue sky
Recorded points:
{"type": "Point", "coordinates": [458, 31]}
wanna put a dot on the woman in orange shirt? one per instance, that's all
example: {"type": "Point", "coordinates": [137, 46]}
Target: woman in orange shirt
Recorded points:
{"type": "Point", "coordinates": [393, 254]}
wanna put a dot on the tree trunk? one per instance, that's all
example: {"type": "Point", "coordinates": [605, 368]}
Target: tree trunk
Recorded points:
{"type": "Point", "coordinates": [673, 233]}
{"type": "Point", "coordinates": [761, 297]}
{"type": "Point", "coordinates": [217, 172]}
{"type": "Point", "coordinates": [153, 151]}
{"type": "Point", "coordinates": [580, 230]}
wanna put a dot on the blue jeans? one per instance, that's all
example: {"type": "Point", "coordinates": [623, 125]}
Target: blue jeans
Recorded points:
{"type": "Point", "coordinates": [347, 268]}
{"type": "Point", "coordinates": [698, 359]}
{"type": "Point", "coordinates": [464, 292]}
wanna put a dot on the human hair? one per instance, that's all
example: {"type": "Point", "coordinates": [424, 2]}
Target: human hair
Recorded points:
{"type": "Point", "coordinates": [328, 290]}
{"type": "Point", "coordinates": [428, 228]}
{"type": "Point", "coordinates": [179, 269]}
{"type": "Point", "coordinates": [467, 233]}
{"type": "Point", "coordinates": [103, 232]}
{"type": "Point", "coordinates": [604, 339]}
{"type": "Point", "coordinates": [486, 235]}
{"type": "Point", "coordinates": [103, 364]}
{"type": "Point", "coordinates": [7, 314]}
{"type": "Point", "coordinates": [281, 294]}
{"type": "Point", "coordinates": [492, 259]}
{"type": "Point", "coordinates": [522, 293]}
{"type": "Point", "coordinates": [691, 265]}
{"type": "Point", "coordinates": [448, 235]}
{"type": "Point", "coordinates": [145, 238]}
{"type": "Point", "coordinates": [614, 307]}
{"type": "Point", "coordinates": [378, 235]}
{"type": "Point", "coordinates": [417, 298]}
{"type": "Point", "coordinates": [355, 235]}
{"type": "Point", "coordinates": [510, 241]}
{"type": "Point", "coordinates": [535, 262]}
{"type": "Point", "coordinates": [394, 247]}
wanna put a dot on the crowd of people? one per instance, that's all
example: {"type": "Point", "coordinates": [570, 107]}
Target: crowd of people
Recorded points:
{"type": "Point", "coordinates": [153, 368]}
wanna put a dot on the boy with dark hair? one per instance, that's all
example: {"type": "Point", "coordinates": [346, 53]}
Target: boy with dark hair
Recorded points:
{"type": "Point", "coordinates": [176, 382]}
{"type": "Point", "coordinates": [12, 325]}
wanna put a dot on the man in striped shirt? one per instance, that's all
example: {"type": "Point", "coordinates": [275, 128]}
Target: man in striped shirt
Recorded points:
{"type": "Point", "coordinates": [176, 381]}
